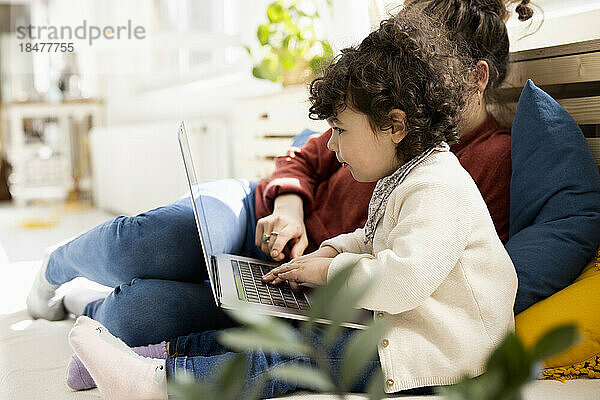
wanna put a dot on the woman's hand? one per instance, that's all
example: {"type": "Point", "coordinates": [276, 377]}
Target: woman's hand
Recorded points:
{"type": "Point", "coordinates": [286, 224]}
{"type": "Point", "coordinates": [311, 268]}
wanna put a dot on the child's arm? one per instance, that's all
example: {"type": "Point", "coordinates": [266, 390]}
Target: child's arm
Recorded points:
{"type": "Point", "coordinates": [353, 242]}
{"type": "Point", "coordinates": [432, 229]}
{"type": "Point", "coordinates": [313, 267]}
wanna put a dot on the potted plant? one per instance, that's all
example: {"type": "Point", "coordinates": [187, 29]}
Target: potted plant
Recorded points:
{"type": "Point", "coordinates": [291, 46]}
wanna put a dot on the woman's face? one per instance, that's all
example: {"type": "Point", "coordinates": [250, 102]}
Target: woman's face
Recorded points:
{"type": "Point", "coordinates": [368, 155]}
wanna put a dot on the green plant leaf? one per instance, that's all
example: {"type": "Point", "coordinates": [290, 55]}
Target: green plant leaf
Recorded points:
{"type": "Point", "coordinates": [291, 26]}
{"type": "Point", "coordinates": [262, 33]}
{"type": "Point", "coordinates": [512, 360]}
{"type": "Point", "coordinates": [275, 11]}
{"type": "Point", "coordinates": [375, 388]}
{"type": "Point", "coordinates": [239, 339]}
{"type": "Point", "coordinates": [245, 315]}
{"type": "Point", "coordinates": [555, 341]}
{"type": "Point", "coordinates": [288, 60]}
{"type": "Point", "coordinates": [509, 367]}
{"type": "Point", "coordinates": [187, 387]}
{"type": "Point", "coordinates": [318, 63]}
{"type": "Point", "coordinates": [271, 327]}
{"type": "Point", "coordinates": [256, 72]}
{"type": "Point", "coordinates": [343, 307]}
{"type": "Point", "coordinates": [327, 50]}
{"type": "Point", "coordinates": [360, 350]}
{"type": "Point", "coordinates": [305, 376]}
{"type": "Point", "coordinates": [269, 68]}
{"type": "Point", "coordinates": [255, 392]}
{"type": "Point", "coordinates": [466, 389]}
{"type": "Point", "coordinates": [324, 296]}
{"type": "Point", "coordinates": [231, 377]}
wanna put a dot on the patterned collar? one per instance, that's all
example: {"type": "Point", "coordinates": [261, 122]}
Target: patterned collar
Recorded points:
{"type": "Point", "coordinates": [385, 187]}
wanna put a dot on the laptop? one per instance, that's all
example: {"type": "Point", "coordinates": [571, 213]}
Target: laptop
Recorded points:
{"type": "Point", "coordinates": [236, 280]}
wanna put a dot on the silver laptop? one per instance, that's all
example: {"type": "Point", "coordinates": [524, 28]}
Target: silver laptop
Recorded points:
{"type": "Point", "coordinates": [236, 279]}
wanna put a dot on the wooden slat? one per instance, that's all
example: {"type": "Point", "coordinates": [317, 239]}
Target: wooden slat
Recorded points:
{"type": "Point", "coordinates": [556, 51]}
{"type": "Point", "coordinates": [584, 110]}
{"type": "Point", "coordinates": [555, 71]}
{"type": "Point", "coordinates": [595, 147]}
{"type": "Point", "coordinates": [563, 91]}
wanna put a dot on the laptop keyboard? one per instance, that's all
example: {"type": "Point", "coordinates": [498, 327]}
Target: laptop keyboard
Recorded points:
{"type": "Point", "coordinates": [259, 292]}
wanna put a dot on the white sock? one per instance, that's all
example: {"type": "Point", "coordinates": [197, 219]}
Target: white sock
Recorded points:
{"type": "Point", "coordinates": [42, 301]}
{"type": "Point", "coordinates": [118, 372]}
{"type": "Point", "coordinates": [80, 295]}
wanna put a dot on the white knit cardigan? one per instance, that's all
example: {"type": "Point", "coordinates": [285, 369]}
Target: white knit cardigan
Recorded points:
{"type": "Point", "coordinates": [442, 278]}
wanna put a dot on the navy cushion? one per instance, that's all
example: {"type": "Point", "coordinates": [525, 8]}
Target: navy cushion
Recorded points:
{"type": "Point", "coordinates": [554, 198]}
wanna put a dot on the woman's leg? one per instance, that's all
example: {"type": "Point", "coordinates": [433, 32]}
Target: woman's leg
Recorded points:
{"type": "Point", "coordinates": [119, 250]}
{"type": "Point", "coordinates": [159, 244]}
{"type": "Point", "coordinates": [152, 310]}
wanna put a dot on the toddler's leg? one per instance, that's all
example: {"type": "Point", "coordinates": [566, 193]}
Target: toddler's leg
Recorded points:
{"type": "Point", "coordinates": [118, 371]}
{"type": "Point", "coordinates": [79, 378]}
{"type": "Point", "coordinates": [202, 356]}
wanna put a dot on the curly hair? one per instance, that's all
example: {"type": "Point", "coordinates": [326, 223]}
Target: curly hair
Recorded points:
{"type": "Point", "coordinates": [481, 25]}
{"type": "Point", "coordinates": [408, 63]}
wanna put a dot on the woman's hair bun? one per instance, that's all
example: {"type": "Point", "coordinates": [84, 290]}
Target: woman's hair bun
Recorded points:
{"type": "Point", "coordinates": [524, 10]}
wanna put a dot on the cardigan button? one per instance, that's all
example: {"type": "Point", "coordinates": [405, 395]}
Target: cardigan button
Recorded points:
{"type": "Point", "coordinates": [379, 314]}
{"type": "Point", "coordinates": [389, 382]}
{"type": "Point", "coordinates": [385, 342]}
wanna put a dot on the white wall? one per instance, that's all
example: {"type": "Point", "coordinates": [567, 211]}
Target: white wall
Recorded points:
{"type": "Point", "coordinates": [561, 22]}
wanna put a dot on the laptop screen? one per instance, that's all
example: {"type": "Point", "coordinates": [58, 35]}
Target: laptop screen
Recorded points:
{"type": "Point", "coordinates": [201, 223]}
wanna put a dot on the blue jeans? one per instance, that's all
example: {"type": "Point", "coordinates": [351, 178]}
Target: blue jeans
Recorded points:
{"type": "Point", "coordinates": [154, 262]}
{"type": "Point", "coordinates": [202, 356]}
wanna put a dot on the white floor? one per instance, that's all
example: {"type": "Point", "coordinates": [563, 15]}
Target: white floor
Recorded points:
{"type": "Point", "coordinates": [24, 234]}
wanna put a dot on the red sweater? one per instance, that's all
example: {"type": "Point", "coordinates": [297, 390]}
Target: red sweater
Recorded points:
{"type": "Point", "coordinates": [334, 203]}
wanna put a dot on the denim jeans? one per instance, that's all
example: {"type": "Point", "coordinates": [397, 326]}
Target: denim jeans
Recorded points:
{"type": "Point", "coordinates": [155, 263]}
{"type": "Point", "coordinates": [202, 356]}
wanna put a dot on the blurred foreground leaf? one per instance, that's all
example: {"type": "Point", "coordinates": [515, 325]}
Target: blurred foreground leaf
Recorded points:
{"type": "Point", "coordinates": [240, 339]}
{"type": "Point", "coordinates": [555, 341]}
{"type": "Point", "coordinates": [304, 376]}
{"type": "Point", "coordinates": [359, 351]}
{"type": "Point", "coordinates": [510, 367]}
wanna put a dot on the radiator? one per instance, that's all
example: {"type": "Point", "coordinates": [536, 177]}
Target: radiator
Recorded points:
{"type": "Point", "coordinates": [139, 167]}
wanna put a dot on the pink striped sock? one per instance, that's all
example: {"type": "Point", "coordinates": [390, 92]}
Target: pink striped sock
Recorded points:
{"type": "Point", "coordinates": [78, 377]}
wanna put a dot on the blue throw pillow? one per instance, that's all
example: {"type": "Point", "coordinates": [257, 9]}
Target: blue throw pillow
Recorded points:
{"type": "Point", "coordinates": [301, 138]}
{"type": "Point", "coordinates": [554, 198]}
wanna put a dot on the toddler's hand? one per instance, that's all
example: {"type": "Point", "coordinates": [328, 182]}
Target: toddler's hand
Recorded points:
{"type": "Point", "coordinates": [307, 269]}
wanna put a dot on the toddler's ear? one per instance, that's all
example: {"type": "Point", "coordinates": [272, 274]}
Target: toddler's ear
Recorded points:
{"type": "Point", "coordinates": [398, 118]}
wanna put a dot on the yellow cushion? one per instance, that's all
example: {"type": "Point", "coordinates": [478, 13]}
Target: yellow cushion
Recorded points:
{"type": "Point", "coordinates": [578, 303]}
